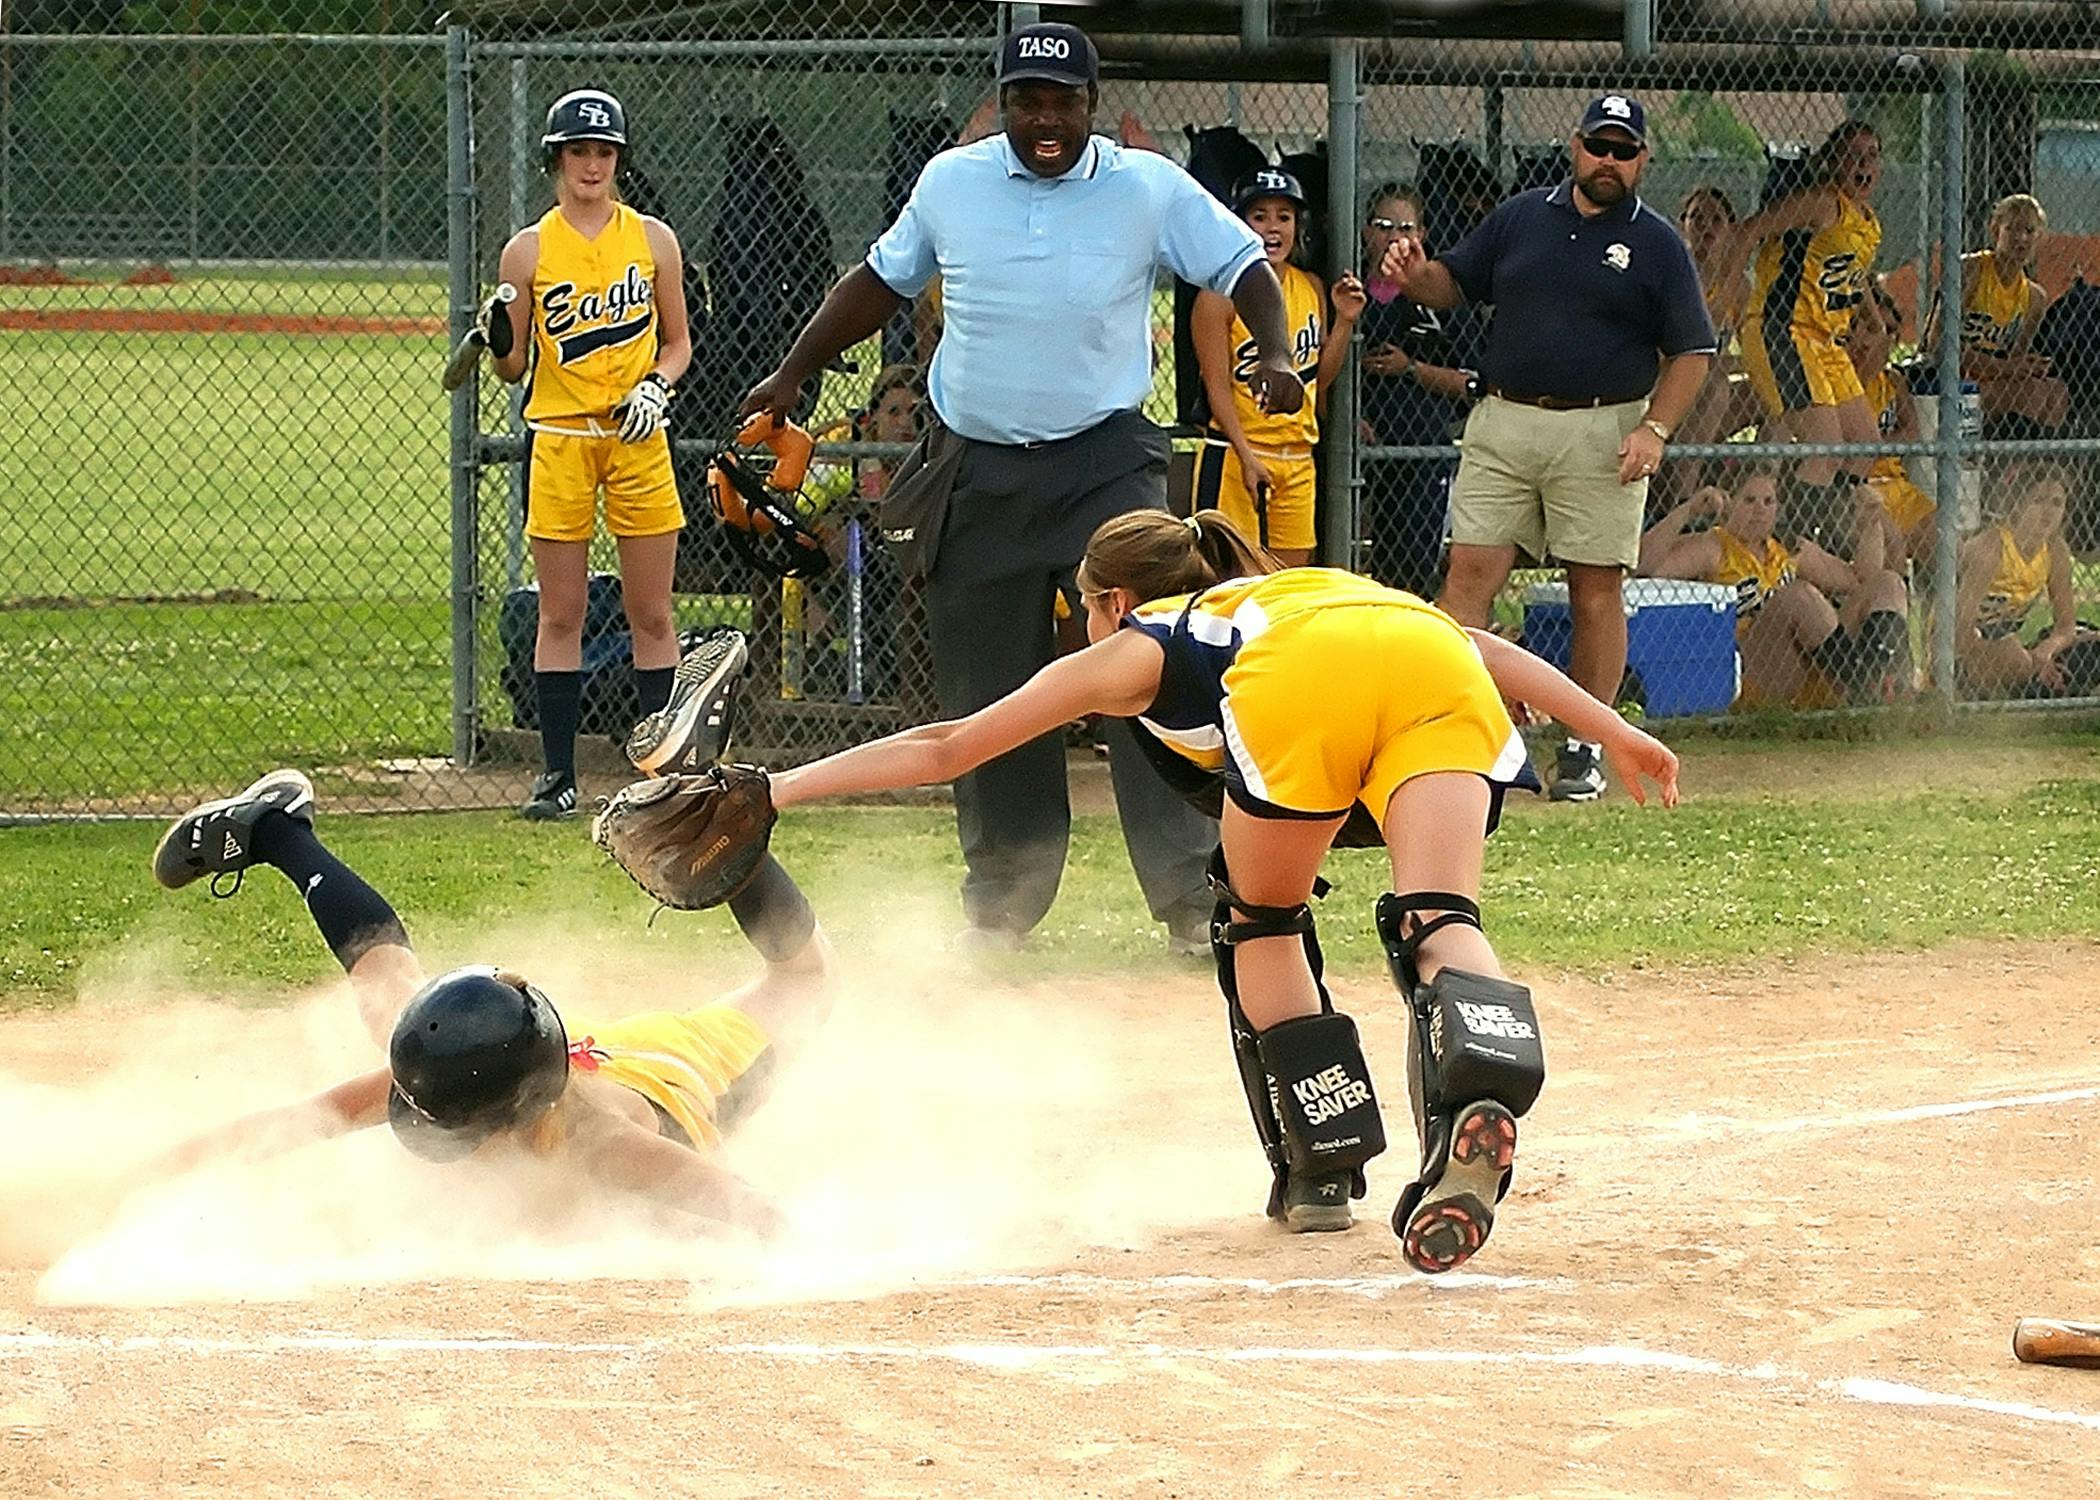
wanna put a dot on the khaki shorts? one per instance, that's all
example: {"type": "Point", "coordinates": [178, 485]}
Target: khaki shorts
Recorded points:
{"type": "Point", "coordinates": [1547, 482]}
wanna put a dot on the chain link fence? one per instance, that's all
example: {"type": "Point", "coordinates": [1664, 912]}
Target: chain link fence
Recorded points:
{"type": "Point", "coordinates": [249, 530]}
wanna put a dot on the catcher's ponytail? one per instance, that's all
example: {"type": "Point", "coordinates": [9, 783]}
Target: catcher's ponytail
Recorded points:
{"type": "Point", "coordinates": [1156, 555]}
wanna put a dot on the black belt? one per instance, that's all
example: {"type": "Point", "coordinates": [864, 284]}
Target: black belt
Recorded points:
{"type": "Point", "coordinates": [1563, 403]}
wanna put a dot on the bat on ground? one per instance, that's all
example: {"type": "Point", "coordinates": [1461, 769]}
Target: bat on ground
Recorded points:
{"type": "Point", "coordinates": [2052, 1341]}
{"type": "Point", "coordinates": [466, 354]}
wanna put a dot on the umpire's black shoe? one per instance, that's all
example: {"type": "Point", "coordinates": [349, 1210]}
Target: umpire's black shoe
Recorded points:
{"type": "Point", "coordinates": [218, 838]}
{"type": "Point", "coordinates": [1444, 1218]}
{"type": "Point", "coordinates": [692, 730]}
{"type": "Point", "coordinates": [552, 798]}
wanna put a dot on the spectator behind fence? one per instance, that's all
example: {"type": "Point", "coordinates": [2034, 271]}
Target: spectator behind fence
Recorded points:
{"type": "Point", "coordinates": [2006, 568]}
{"type": "Point", "coordinates": [1815, 247]}
{"type": "Point", "coordinates": [1811, 630]}
{"type": "Point", "coordinates": [1256, 467]}
{"type": "Point", "coordinates": [2001, 306]}
{"type": "Point", "coordinates": [1416, 363]}
{"type": "Point", "coordinates": [1726, 404]}
{"type": "Point", "coordinates": [1048, 237]}
{"type": "Point", "coordinates": [1908, 511]}
{"type": "Point", "coordinates": [1598, 344]}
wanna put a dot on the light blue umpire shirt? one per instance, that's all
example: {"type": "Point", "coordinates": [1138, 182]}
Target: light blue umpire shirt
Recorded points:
{"type": "Point", "coordinates": [1046, 282]}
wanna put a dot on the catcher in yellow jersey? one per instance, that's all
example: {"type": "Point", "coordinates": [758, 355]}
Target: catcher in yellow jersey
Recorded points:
{"type": "Point", "coordinates": [604, 338]}
{"type": "Point", "coordinates": [480, 1061]}
{"type": "Point", "coordinates": [1814, 262]}
{"type": "Point", "coordinates": [2005, 571]}
{"type": "Point", "coordinates": [1256, 466]}
{"type": "Point", "coordinates": [2001, 307]}
{"type": "Point", "coordinates": [1309, 705]}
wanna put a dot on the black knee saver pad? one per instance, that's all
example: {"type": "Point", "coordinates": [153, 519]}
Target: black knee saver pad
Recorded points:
{"type": "Point", "coordinates": [1478, 1038]}
{"type": "Point", "coordinates": [1323, 1095]}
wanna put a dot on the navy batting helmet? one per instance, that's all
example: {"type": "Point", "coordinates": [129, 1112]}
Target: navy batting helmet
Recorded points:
{"type": "Point", "coordinates": [582, 115]}
{"type": "Point", "coordinates": [476, 1051]}
{"type": "Point", "coordinates": [1266, 182]}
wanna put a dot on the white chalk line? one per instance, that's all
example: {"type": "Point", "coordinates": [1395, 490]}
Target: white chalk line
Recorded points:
{"type": "Point", "coordinates": [1695, 1124]}
{"type": "Point", "coordinates": [1019, 1357]}
{"type": "Point", "coordinates": [1369, 1287]}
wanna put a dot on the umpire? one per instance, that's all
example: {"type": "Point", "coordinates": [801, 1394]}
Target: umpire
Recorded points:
{"type": "Point", "coordinates": [1047, 239]}
{"type": "Point", "coordinates": [1597, 347]}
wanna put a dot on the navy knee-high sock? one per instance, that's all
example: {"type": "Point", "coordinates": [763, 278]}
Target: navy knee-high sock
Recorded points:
{"type": "Point", "coordinates": [653, 686]}
{"type": "Point", "coordinates": [561, 710]}
{"type": "Point", "coordinates": [353, 918]}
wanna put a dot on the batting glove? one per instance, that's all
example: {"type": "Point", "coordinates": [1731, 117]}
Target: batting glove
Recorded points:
{"type": "Point", "coordinates": [493, 321]}
{"type": "Point", "coordinates": [642, 413]}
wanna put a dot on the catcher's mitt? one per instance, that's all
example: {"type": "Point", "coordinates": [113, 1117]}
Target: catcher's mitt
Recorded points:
{"type": "Point", "coordinates": [690, 841]}
{"type": "Point", "coordinates": [762, 509]}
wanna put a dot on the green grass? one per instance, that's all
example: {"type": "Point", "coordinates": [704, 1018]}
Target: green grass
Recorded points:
{"type": "Point", "coordinates": [1733, 877]}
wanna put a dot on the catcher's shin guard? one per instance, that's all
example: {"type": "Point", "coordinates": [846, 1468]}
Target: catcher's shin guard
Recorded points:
{"type": "Point", "coordinates": [1474, 1065]}
{"type": "Point", "coordinates": [1307, 1084]}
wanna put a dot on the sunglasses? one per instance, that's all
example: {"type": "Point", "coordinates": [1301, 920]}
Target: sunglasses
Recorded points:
{"type": "Point", "coordinates": [1604, 145]}
{"type": "Point", "coordinates": [1394, 226]}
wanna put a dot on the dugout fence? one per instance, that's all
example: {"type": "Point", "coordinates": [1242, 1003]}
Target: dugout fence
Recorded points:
{"type": "Point", "coordinates": [246, 529]}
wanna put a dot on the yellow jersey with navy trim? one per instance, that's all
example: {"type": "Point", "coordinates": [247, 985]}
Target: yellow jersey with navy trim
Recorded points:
{"type": "Point", "coordinates": [2014, 588]}
{"type": "Point", "coordinates": [594, 332]}
{"type": "Point", "coordinates": [1305, 320]}
{"type": "Point", "coordinates": [1811, 279]}
{"type": "Point", "coordinates": [1992, 312]}
{"type": "Point", "coordinates": [1881, 400]}
{"type": "Point", "coordinates": [696, 1067]}
{"type": "Point", "coordinates": [1755, 576]}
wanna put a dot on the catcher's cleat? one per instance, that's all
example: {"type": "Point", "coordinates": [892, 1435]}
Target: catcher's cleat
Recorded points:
{"type": "Point", "coordinates": [1317, 1205]}
{"type": "Point", "coordinates": [218, 838]}
{"type": "Point", "coordinates": [1441, 1225]}
{"type": "Point", "coordinates": [552, 798]}
{"type": "Point", "coordinates": [692, 729]}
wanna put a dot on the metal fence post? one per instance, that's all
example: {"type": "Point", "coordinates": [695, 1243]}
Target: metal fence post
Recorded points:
{"type": "Point", "coordinates": [1953, 121]}
{"type": "Point", "coordinates": [459, 255]}
{"type": "Point", "coordinates": [1339, 523]}
{"type": "Point", "coordinates": [521, 158]}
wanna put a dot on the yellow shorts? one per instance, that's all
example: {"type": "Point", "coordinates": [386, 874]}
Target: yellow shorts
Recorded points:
{"type": "Point", "coordinates": [1791, 371]}
{"type": "Point", "coordinates": [1908, 506]}
{"type": "Point", "coordinates": [1342, 705]}
{"type": "Point", "coordinates": [565, 471]}
{"type": "Point", "coordinates": [1287, 520]}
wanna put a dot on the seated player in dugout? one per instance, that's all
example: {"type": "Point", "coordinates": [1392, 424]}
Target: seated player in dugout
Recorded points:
{"type": "Point", "coordinates": [1910, 512]}
{"type": "Point", "coordinates": [1812, 631]}
{"type": "Point", "coordinates": [604, 338]}
{"type": "Point", "coordinates": [1256, 466]}
{"type": "Point", "coordinates": [2005, 570]}
{"type": "Point", "coordinates": [1303, 706]}
{"type": "Point", "coordinates": [2001, 307]}
{"type": "Point", "coordinates": [480, 1062]}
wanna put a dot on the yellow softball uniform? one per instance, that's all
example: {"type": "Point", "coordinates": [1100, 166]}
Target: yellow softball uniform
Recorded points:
{"type": "Point", "coordinates": [2014, 588]}
{"type": "Point", "coordinates": [1314, 689]}
{"type": "Point", "coordinates": [1907, 505]}
{"type": "Point", "coordinates": [594, 336]}
{"type": "Point", "coordinates": [1284, 443]}
{"type": "Point", "coordinates": [1755, 576]}
{"type": "Point", "coordinates": [1992, 312]}
{"type": "Point", "coordinates": [697, 1068]}
{"type": "Point", "coordinates": [1803, 288]}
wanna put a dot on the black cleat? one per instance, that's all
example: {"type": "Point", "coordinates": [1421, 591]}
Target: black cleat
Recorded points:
{"type": "Point", "coordinates": [1317, 1205]}
{"type": "Point", "coordinates": [553, 797]}
{"type": "Point", "coordinates": [218, 838]}
{"type": "Point", "coordinates": [1443, 1224]}
{"type": "Point", "coordinates": [692, 729]}
{"type": "Point", "coordinates": [1578, 774]}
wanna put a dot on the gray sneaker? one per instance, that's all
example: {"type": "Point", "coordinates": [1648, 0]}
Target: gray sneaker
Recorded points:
{"type": "Point", "coordinates": [218, 838]}
{"type": "Point", "coordinates": [1317, 1205]}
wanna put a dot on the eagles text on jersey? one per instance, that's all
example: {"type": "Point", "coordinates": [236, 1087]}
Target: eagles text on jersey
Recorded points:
{"type": "Point", "coordinates": [604, 316]}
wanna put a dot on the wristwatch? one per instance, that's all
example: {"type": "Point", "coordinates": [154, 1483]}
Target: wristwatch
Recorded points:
{"type": "Point", "coordinates": [1657, 428]}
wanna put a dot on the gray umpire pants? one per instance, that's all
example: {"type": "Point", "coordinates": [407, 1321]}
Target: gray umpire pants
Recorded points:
{"type": "Point", "coordinates": [1017, 524]}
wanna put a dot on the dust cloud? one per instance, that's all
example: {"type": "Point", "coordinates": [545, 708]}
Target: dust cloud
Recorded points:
{"type": "Point", "coordinates": [938, 1126]}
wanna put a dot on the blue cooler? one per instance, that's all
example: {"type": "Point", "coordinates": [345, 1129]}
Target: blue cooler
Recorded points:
{"type": "Point", "coordinates": [1680, 641]}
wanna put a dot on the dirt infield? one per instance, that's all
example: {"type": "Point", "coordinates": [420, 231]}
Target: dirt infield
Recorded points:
{"type": "Point", "coordinates": [1770, 1235]}
{"type": "Point", "coordinates": [175, 320]}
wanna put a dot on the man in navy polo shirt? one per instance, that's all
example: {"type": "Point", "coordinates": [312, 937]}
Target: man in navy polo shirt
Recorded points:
{"type": "Point", "coordinates": [1599, 341]}
{"type": "Point", "coordinates": [1047, 239]}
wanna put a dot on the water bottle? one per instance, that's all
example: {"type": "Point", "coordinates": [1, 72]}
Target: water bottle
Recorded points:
{"type": "Point", "coordinates": [1968, 512]}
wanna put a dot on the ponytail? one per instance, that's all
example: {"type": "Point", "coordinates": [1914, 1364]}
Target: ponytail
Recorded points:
{"type": "Point", "coordinates": [1156, 555]}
